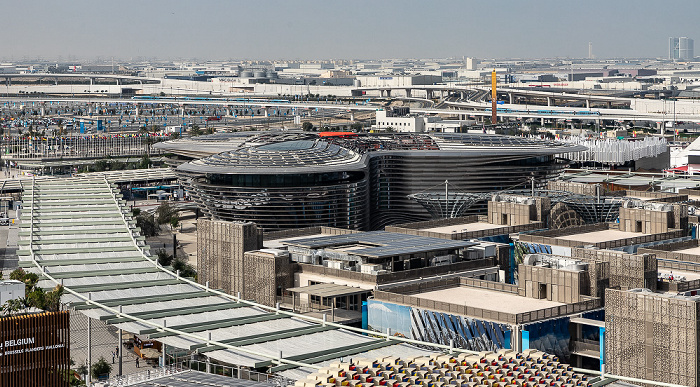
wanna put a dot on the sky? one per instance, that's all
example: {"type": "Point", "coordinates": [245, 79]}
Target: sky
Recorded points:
{"type": "Point", "coordinates": [332, 29]}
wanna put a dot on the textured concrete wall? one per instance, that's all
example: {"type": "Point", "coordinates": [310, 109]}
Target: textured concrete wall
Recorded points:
{"type": "Point", "coordinates": [265, 274]}
{"type": "Point", "coordinates": [220, 249]}
{"type": "Point", "coordinates": [651, 336]}
{"type": "Point", "coordinates": [626, 271]}
{"type": "Point", "coordinates": [645, 221]}
{"type": "Point", "coordinates": [511, 214]}
{"type": "Point", "coordinates": [553, 284]}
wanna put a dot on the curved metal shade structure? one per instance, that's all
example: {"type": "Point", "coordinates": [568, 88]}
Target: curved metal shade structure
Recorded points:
{"type": "Point", "coordinates": [589, 208]}
{"type": "Point", "coordinates": [78, 233]}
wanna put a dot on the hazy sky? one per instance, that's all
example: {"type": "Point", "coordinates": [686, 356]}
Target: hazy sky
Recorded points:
{"type": "Point", "coordinates": [324, 29]}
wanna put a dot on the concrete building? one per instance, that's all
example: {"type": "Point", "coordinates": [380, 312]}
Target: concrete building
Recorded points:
{"type": "Point", "coordinates": [599, 235]}
{"type": "Point", "coordinates": [652, 218]}
{"type": "Point", "coordinates": [517, 210]}
{"type": "Point", "coordinates": [398, 80]}
{"type": "Point", "coordinates": [626, 271]}
{"type": "Point", "coordinates": [485, 314]}
{"type": "Point", "coordinates": [267, 274]}
{"type": "Point", "coordinates": [221, 248]}
{"type": "Point", "coordinates": [410, 123]}
{"type": "Point", "coordinates": [471, 64]}
{"type": "Point", "coordinates": [312, 269]}
{"type": "Point", "coordinates": [11, 290]}
{"type": "Point", "coordinates": [473, 227]}
{"type": "Point", "coordinates": [681, 48]}
{"type": "Point", "coordinates": [561, 279]}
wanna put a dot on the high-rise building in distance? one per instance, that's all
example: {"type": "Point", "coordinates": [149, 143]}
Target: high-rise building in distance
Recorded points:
{"type": "Point", "coordinates": [681, 48]}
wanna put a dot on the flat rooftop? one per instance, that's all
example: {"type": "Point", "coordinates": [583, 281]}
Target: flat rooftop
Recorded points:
{"type": "Point", "coordinates": [692, 250]}
{"type": "Point", "coordinates": [464, 227]}
{"type": "Point", "coordinates": [278, 243]}
{"type": "Point", "coordinates": [640, 197]}
{"type": "Point", "coordinates": [487, 299]}
{"type": "Point", "coordinates": [689, 275]}
{"type": "Point", "coordinates": [601, 236]}
{"type": "Point", "coordinates": [379, 244]}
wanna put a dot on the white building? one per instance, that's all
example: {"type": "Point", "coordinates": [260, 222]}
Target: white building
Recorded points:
{"type": "Point", "coordinates": [11, 290]}
{"type": "Point", "coordinates": [410, 123]}
{"type": "Point", "coordinates": [681, 48]}
{"type": "Point", "coordinates": [398, 80]}
{"type": "Point", "coordinates": [472, 64]}
{"type": "Point", "coordinates": [414, 123]}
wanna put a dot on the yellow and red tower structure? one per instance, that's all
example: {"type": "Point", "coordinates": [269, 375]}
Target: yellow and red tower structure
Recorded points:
{"type": "Point", "coordinates": [494, 98]}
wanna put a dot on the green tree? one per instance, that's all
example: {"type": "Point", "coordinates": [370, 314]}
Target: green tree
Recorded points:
{"type": "Point", "coordinates": [147, 225]}
{"type": "Point", "coordinates": [307, 126]}
{"type": "Point", "coordinates": [356, 126]}
{"type": "Point", "coordinates": [165, 212]}
{"type": "Point", "coordinates": [52, 299]}
{"type": "Point", "coordinates": [101, 165]}
{"type": "Point", "coordinates": [36, 298]}
{"type": "Point", "coordinates": [82, 370]}
{"type": "Point", "coordinates": [186, 270]}
{"type": "Point", "coordinates": [164, 259]}
{"type": "Point", "coordinates": [29, 279]}
{"type": "Point", "coordinates": [145, 162]}
{"type": "Point", "coordinates": [100, 368]}
{"type": "Point", "coordinates": [12, 306]}
{"type": "Point", "coordinates": [17, 274]}
{"type": "Point", "coordinates": [174, 220]}
{"type": "Point", "coordinates": [195, 131]}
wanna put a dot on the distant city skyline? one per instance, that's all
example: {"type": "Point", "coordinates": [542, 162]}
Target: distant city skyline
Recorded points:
{"type": "Point", "coordinates": [361, 29]}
